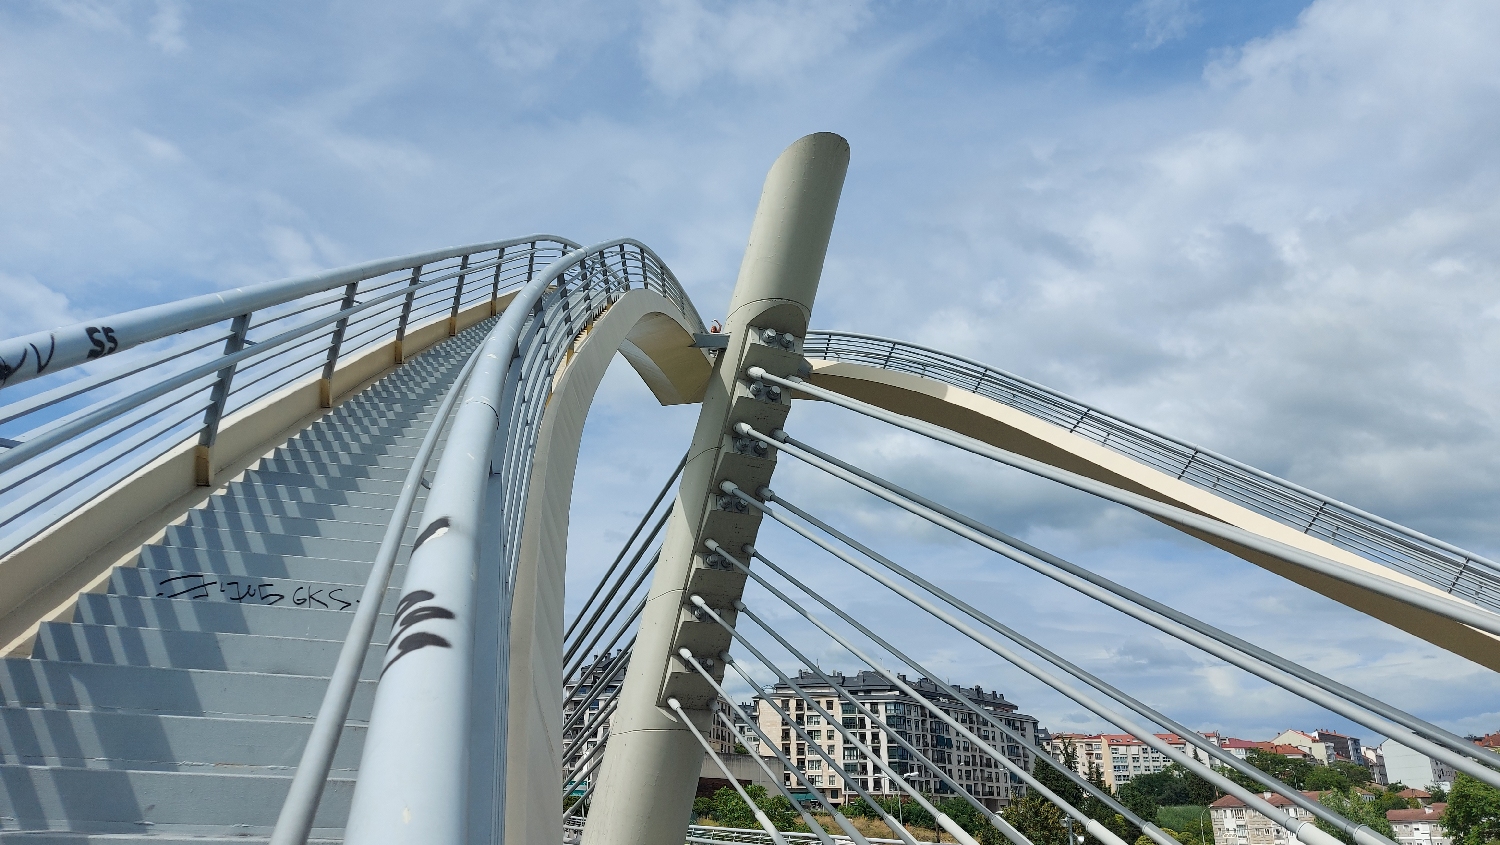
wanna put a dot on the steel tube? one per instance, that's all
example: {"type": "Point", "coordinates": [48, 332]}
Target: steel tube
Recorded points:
{"type": "Point", "coordinates": [1072, 575]}
{"type": "Point", "coordinates": [1130, 702]}
{"type": "Point", "coordinates": [79, 343]}
{"type": "Point", "coordinates": [1436, 603]}
{"type": "Point", "coordinates": [295, 821]}
{"type": "Point", "coordinates": [760, 815]}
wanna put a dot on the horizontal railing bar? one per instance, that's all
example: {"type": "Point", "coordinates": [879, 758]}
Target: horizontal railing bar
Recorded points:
{"type": "Point", "coordinates": [72, 345]}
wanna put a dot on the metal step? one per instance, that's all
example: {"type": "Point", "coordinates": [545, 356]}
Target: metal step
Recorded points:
{"type": "Point", "coordinates": [173, 708]}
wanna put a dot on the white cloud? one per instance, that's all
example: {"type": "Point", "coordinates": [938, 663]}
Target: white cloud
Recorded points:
{"type": "Point", "coordinates": [166, 27]}
{"type": "Point", "coordinates": [1162, 21]}
{"type": "Point", "coordinates": [685, 43]}
{"type": "Point", "coordinates": [31, 306]}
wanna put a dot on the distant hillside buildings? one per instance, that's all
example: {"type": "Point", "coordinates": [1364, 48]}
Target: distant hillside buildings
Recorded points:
{"type": "Point", "coordinates": [897, 715]}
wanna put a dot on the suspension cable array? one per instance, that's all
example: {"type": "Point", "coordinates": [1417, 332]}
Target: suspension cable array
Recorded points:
{"type": "Point", "coordinates": [1207, 760]}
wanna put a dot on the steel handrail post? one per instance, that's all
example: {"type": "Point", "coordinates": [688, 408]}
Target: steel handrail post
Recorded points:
{"type": "Point", "coordinates": [411, 293]}
{"type": "Point", "coordinates": [458, 292]}
{"type": "Point", "coordinates": [325, 386]}
{"type": "Point", "coordinates": [495, 282]}
{"type": "Point", "coordinates": [203, 454]}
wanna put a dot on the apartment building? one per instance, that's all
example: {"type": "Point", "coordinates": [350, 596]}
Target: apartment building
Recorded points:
{"type": "Point", "coordinates": [896, 714]}
{"type": "Point", "coordinates": [1422, 826]}
{"type": "Point", "coordinates": [1119, 756]}
{"type": "Point", "coordinates": [1236, 824]}
{"type": "Point", "coordinates": [1413, 768]}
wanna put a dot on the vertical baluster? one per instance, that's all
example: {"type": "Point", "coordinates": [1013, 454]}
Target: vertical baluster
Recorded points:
{"type": "Point", "coordinates": [495, 283]}
{"type": "Point", "coordinates": [411, 291]}
{"type": "Point", "coordinates": [203, 471]}
{"type": "Point", "coordinates": [325, 384]}
{"type": "Point", "coordinates": [458, 292]}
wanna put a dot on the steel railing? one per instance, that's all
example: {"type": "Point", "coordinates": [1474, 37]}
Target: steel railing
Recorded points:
{"type": "Point", "coordinates": [1454, 570]}
{"type": "Point", "coordinates": [92, 403]}
{"type": "Point", "coordinates": [494, 430]}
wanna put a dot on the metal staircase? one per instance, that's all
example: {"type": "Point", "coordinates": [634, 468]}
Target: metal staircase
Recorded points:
{"type": "Point", "coordinates": [176, 704]}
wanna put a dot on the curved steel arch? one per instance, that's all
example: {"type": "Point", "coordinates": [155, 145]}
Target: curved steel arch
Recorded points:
{"type": "Point", "coordinates": [499, 510]}
{"type": "Point", "coordinates": [923, 387]}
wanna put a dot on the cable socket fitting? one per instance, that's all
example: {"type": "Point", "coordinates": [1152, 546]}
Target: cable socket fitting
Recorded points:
{"type": "Point", "coordinates": [733, 504]}
{"type": "Point", "coordinates": [780, 436]}
{"type": "Point", "coordinates": [748, 550]}
{"type": "Point", "coordinates": [771, 337]}
{"type": "Point", "coordinates": [766, 494]}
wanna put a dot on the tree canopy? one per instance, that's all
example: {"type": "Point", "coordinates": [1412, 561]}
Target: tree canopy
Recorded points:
{"type": "Point", "coordinates": [1473, 814]}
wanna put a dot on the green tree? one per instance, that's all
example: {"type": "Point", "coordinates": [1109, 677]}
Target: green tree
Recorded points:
{"type": "Point", "coordinates": [1356, 774]}
{"type": "Point", "coordinates": [727, 808]}
{"type": "Point", "coordinates": [1390, 799]}
{"type": "Point", "coordinates": [1052, 778]}
{"type": "Point", "coordinates": [1190, 823]}
{"type": "Point", "coordinates": [1173, 786]}
{"type": "Point", "coordinates": [1324, 779]}
{"type": "Point", "coordinates": [1292, 772]}
{"type": "Point", "coordinates": [1473, 814]}
{"type": "Point", "coordinates": [1102, 813]}
{"type": "Point", "coordinates": [1437, 792]}
{"type": "Point", "coordinates": [1351, 806]}
{"type": "Point", "coordinates": [1038, 819]}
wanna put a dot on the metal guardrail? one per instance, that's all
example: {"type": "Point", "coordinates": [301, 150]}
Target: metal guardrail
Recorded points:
{"type": "Point", "coordinates": [156, 377]}
{"type": "Point", "coordinates": [1447, 567]}
{"type": "Point", "coordinates": [573, 830]}
{"type": "Point", "coordinates": [480, 492]}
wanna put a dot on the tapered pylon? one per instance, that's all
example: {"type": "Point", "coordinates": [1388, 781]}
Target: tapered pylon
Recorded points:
{"type": "Point", "coordinates": [650, 773]}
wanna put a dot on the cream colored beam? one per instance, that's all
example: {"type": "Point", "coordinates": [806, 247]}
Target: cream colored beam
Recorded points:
{"type": "Point", "coordinates": [40, 581]}
{"type": "Point", "coordinates": [643, 327]}
{"type": "Point", "coordinates": [1007, 428]}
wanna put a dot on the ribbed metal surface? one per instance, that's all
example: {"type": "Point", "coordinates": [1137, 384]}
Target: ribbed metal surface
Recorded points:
{"type": "Point", "coordinates": [175, 705]}
{"type": "Point", "coordinates": [1449, 568]}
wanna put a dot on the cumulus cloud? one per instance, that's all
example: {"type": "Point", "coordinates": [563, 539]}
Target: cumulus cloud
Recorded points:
{"type": "Point", "coordinates": [1284, 252]}
{"type": "Point", "coordinates": [31, 306]}
{"type": "Point", "coordinates": [684, 43]}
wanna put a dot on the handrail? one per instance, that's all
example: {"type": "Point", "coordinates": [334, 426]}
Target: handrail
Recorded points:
{"type": "Point", "coordinates": [80, 343]}
{"type": "Point", "coordinates": [78, 436]}
{"type": "Point", "coordinates": [1454, 570]}
{"type": "Point", "coordinates": [420, 718]}
{"type": "Point", "coordinates": [296, 819]}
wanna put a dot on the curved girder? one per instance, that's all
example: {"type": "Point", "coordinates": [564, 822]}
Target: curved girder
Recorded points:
{"type": "Point", "coordinates": [656, 338]}
{"type": "Point", "coordinates": [992, 422]}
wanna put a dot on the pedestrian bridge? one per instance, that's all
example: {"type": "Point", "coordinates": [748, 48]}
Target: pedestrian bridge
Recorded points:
{"type": "Point", "coordinates": [287, 562]}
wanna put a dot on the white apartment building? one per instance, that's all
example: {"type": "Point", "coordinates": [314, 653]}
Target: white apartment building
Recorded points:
{"type": "Point", "coordinates": [1375, 762]}
{"type": "Point", "coordinates": [1236, 824]}
{"type": "Point", "coordinates": [897, 714]}
{"type": "Point", "coordinates": [1119, 756]}
{"type": "Point", "coordinates": [1413, 768]}
{"type": "Point", "coordinates": [1422, 826]}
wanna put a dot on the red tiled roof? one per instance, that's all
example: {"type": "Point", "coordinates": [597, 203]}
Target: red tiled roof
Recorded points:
{"type": "Point", "coordinates": [1490, 740]}
{"type": "Point", "coordinates": [1433, 813]}
{"type": "Point", "coordinates": [1414, 793]}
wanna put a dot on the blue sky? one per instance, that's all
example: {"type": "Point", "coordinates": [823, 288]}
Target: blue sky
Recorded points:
{"type": "Point", "coordinates": [1266, 227]}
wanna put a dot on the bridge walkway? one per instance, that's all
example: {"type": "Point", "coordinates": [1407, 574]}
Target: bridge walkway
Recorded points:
{"type": "Point", "coordinates": [175, 705]}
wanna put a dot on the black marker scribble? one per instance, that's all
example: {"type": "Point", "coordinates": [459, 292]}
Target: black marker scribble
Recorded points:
{"type": "Point", "coordinates": [51, 351]}
{"type": "Point", "coordinates": [420, 639]}
{"type": "Point", "coordinates": [432, 529]}
{"type": "Point", "coordinates": [410, 612]}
